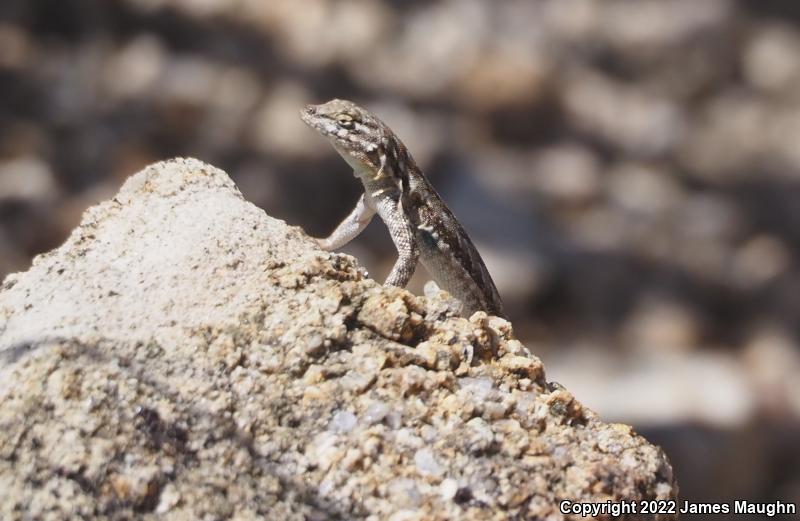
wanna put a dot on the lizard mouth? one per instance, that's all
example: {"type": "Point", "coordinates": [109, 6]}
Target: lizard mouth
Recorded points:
{"type": "Point", "coordinates": [344, 141]}
{"type": "Point", "coordinates": [324, 125]}
{"type": "Point", "coordinates": [320, 123]}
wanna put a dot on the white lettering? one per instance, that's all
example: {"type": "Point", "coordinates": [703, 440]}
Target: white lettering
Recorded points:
{"type": "Point", "coordinates": [609, 508]}
{"type": "Point", "coordinates": [767, 509]}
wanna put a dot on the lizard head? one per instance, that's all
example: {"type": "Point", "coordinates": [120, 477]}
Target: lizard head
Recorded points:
{"type": "Point", "coordinates": [358, 136]}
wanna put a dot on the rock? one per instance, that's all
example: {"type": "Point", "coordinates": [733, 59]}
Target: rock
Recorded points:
{"type": "Point", "coordinates": [593, 103]}
{"type": "Point", "coordinates": [565, 173]}
{"type": "Point", "coordinates": [185, 356]}
{"type": "Point", "coordinates": [661, 387]}
{"type": "Point", "coordinates": [27, 179]}
{"type": "Point", "coordinates": [770, 59]}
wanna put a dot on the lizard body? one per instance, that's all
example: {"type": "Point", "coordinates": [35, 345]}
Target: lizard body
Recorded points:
{"type": "Point", "coordinates": [422, 227]}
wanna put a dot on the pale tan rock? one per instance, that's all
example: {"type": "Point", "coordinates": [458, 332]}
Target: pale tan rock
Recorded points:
{"type": "Point", "coordinates": [185, 356]}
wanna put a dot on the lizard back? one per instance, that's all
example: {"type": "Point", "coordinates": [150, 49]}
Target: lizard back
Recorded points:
{"type": "Point", "coordinates": [447, 252]}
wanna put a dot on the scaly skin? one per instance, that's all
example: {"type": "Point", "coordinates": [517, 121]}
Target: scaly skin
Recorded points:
{"type": "Point", "coordinates": [422, 227]}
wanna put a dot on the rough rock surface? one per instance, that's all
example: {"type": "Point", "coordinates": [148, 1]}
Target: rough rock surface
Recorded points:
{"type": "Point", "coordinates": [185, 356]}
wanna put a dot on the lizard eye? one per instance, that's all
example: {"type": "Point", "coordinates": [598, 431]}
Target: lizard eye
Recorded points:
{"type": "Point", "coordinates": [344, 120]}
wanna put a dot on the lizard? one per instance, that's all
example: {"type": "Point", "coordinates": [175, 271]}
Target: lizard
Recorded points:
{"type": "Point", "coordinates": [421, 225]}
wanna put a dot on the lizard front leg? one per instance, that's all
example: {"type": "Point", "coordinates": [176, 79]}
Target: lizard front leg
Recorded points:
{"type": "Point", "coordinates": [350, 227]}
{"type": "Point", "coordinates": [392, 213]}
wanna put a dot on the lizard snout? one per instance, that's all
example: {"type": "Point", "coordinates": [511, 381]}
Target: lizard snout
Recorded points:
{"type": "Point", "coordinates": [309, 115]}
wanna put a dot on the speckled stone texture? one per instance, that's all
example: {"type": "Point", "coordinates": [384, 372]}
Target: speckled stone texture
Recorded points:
{"type": "Point", "coordinates": [185, 356]}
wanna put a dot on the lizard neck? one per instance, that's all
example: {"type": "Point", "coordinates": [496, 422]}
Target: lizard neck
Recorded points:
{"type": "Point", "coordinates": [376, 184]}
{"type": "Point", "coordinates": [359, 168]}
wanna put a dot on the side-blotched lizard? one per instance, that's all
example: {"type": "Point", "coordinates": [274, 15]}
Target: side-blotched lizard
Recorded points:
{"type": "Point", "coordinates": [422, 227]}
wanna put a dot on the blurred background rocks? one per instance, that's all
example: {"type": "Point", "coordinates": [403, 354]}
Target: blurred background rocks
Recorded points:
{"type": "Point", "coordinates": [630, 170]}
